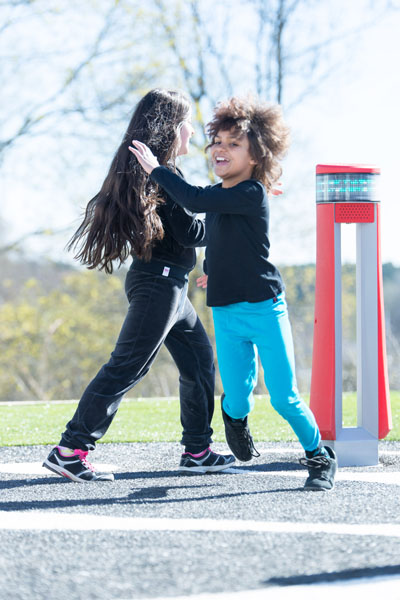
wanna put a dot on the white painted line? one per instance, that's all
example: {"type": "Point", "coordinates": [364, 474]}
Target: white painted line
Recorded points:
{"type": "Point", "coordinates": [36, 468]}
{"type": "Point", "coordinates": [45, 521]}
{"type": "Point", "coordinates": [388, 478]}
{"type": "Point", "coordinates": [386, 587]}
{"type": "Point", "coordinates": [299, 451]}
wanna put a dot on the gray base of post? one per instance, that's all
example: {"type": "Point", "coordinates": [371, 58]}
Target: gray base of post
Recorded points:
{"type": "Point", "coordinates": [354, 447]}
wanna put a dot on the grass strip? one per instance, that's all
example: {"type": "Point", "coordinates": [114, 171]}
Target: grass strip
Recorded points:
{"type": "Point", "coordinates": [155, 420]}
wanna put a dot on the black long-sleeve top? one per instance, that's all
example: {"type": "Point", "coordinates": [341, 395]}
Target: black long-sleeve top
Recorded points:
{"type": "Point", "coordinates": [237, 239]}
{"type": "Point", "coordinates": [183, 231]}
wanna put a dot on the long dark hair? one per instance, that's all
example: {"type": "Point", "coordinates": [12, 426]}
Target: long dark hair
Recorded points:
{"type": "Point", "coordinates": [122, 218]}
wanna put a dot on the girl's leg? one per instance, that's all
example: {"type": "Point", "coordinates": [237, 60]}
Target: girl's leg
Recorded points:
{"type": "Point", "coordinates": [237, 360]}
{"type": "Point", "coordinates": [273, 336]}
{"type": "Point", "coordinates": [154, 304]}
{"type": "Point", "coordinates": [191, 350]}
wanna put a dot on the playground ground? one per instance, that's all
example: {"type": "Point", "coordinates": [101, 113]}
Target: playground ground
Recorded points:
{"type": "Point", "coordinates": [248, 533]}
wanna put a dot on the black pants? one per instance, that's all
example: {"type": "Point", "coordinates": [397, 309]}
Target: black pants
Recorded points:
{"type": "Point", "coordinates": [159, 311]}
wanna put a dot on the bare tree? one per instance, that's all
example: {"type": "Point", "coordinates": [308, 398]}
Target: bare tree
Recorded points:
{"type": "Point", "coordinates": [208, 50]}
{"type": "Point", "coordinates": [71, 94]}
{"type": "Point", "coordinates": [287, 43]}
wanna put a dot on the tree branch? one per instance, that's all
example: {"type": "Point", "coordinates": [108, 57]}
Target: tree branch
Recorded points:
{"type": "Point", "coordinates": [39, 232]}
{"type": "Point", "coordinates": [33, 118]}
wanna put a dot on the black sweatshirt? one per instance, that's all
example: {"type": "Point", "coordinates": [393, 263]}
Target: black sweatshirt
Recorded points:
{"type": "Point", "coordinates": [237, 237]}
{"type": "Point", "coordinates": [182, 233]}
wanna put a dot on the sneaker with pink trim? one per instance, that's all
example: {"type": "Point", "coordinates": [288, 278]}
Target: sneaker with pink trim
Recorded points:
{"type": "Point", "coordinates": [205, 462]}
{"type": "Point", "coordinates": [75, 466]}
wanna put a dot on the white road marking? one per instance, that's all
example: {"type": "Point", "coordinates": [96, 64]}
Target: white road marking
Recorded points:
{"type": "Point", "coordinates": [36, 468]}
{"type": "Point", "coordinates": [47, 520]}
{"type": "Point", "coordinates": [388, 478]}
{"type": "Point", "coordinates": [299, 451]}
{"type": "Point", "coordinates": [387, 587]}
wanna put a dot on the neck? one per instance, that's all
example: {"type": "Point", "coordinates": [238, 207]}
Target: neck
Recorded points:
{"type": "Point", "coordinates": [231, 182]}
{"type": "Point", "coordinates": [233, 179]}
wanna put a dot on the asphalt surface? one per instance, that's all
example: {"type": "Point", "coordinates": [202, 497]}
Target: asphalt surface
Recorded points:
{"type": "Point", "coordinates": [156, 533]}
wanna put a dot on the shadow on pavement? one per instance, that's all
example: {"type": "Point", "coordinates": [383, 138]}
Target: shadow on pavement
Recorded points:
{"type": "Point", "coordinates": [349, 574]}
{"type": "Point", "coordinates": [273, 466]}
{"type": "Point", "coordinates": [142, 495]}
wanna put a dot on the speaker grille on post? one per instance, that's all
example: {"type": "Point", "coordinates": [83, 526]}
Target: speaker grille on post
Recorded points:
{"type": "Point", "coordinates": [355, 212]}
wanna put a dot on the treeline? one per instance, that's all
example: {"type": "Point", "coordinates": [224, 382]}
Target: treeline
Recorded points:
{"type": "Point", "coordinates": [58, 325]}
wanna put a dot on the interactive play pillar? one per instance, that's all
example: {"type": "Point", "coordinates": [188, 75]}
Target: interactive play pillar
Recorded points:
{"type": "Point", "coordinates": [349, 194]}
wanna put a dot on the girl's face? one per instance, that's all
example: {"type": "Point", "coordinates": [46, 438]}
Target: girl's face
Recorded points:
{"type": "Point", "coordinates": [231, 157]}
{"type": "Point", "coordinates": [185, 133]}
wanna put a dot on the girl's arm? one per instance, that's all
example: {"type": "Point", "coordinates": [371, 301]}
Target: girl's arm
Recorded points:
{"type": "Point", "coordinates": [185, 228]}
{"type": "Point", "coordinates": [245, 198]}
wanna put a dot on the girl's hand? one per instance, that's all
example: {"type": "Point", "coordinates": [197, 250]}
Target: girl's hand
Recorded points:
{"type": "Point", "coordinates": [276, 190]}
{"type": "Point", "coordinates": [144, 156]}
{"type": "Point", "coordinates": [202, 281]}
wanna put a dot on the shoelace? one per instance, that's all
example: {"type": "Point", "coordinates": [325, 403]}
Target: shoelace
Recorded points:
{"type": "Point", "coordinates": [255, 453]}
{"type": "Point", "coordinates": [249, 441]}
{"type": "Point", "coordinates": [82, 455]}
{"type": "Point", "coordinates": [316, 463]}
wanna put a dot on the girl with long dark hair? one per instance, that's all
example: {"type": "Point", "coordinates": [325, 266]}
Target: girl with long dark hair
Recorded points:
{"type": "Point", "coordinates": [132, 215]}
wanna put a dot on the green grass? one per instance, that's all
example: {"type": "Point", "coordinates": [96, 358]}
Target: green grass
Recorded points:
{"type": "Point", "coordinates": [154, 420]}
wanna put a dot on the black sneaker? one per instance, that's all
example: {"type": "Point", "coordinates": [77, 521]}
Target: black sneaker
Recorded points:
{"type": "Point", "coordinates": [209, 462]}
{"type": "Point", "coordinates": [321, 471]}
{"type": "Point", "coordinates": [75, 467]}
{"type": "Point", "coordinates": [238, 436]}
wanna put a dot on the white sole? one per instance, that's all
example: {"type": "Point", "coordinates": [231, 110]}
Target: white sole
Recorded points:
{"type": "Point", "coordinates": [60, 471]}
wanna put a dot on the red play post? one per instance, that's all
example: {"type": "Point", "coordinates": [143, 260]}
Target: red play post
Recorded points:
{"type": "Point", "coordinates": [349, 194]}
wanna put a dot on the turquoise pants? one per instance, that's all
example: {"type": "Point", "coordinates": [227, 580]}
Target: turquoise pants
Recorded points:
{"type": "Point", "coordinates": [241, 330]}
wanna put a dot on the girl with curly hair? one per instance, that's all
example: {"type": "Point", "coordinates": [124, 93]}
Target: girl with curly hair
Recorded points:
{"type": "Point", "coordinates": [131, 214]}
{"type": "Point", "coordinates": [248, 139]}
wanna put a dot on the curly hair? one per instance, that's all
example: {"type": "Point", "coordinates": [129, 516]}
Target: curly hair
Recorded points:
{"type": "Point", "coordinates": [122, 218]}
{"type": "Point", "coordinates": [265, 128]}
